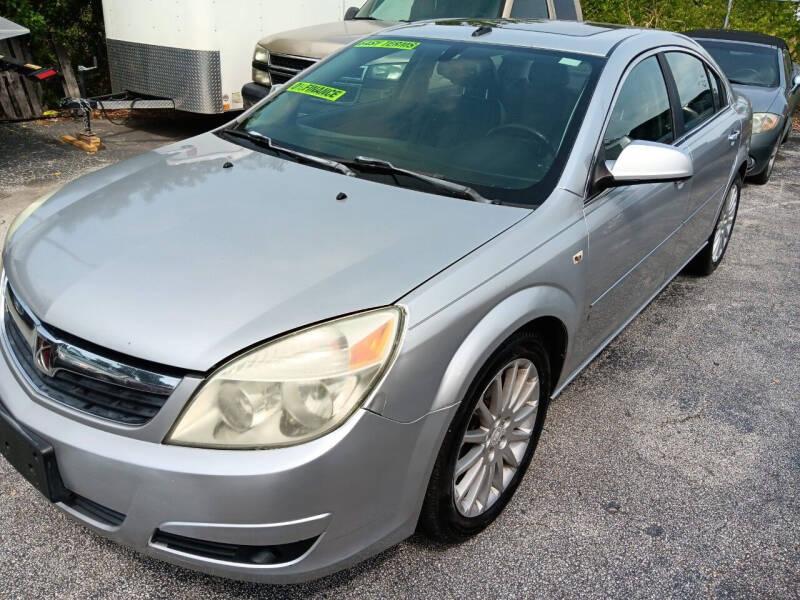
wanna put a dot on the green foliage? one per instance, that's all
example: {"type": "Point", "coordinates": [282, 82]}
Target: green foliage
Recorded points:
{"type": "Point", "coordinates": [766, 16]}
{"type": "Point", "coordinates": [76, 25]}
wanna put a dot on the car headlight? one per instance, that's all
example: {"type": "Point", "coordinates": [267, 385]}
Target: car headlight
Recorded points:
{"type": "Point", "coordinates": [261, 77]}
{"type": "Point", "coordinates": [765, 122]}
{"type": "Point", "coordinates": [294, 389]}
{"type": "Point", "coordinates": [261, 54]}
{"type": "Point", "coordinates": [27, 212]}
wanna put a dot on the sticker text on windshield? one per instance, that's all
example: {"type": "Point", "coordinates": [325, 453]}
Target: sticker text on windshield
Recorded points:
{"type": "Point", "coordinates": [392, 44]}
{"type": "Point", "coordinates": [317, 90]}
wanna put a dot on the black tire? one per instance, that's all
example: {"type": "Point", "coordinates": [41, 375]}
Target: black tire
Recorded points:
{"type": "Point", "coordinates": [440, 520]}
{"type": "Point", "coordinates": [763, 177]}
{"type": "Point", "coordinates": [704, 264]}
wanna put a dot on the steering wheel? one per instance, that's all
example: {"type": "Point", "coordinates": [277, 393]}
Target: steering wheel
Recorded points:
{"type": "Point", "coordinates": [531, 134]}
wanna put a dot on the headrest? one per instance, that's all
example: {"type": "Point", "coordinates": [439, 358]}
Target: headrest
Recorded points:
{"type": "Point", "coordinates": [468, 72]}
{"type": "Point", "coordinates": [549, 72]}
{"type": "Point", "coordinates": [514, 67]}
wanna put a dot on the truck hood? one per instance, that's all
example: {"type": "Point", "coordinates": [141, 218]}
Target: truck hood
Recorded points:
{"type": "Point", "coordinates": [761, 99]}
{"type": "Point", "coordinates": [171, 258]}
{"type": "Point", "coordinates": [319, 41]}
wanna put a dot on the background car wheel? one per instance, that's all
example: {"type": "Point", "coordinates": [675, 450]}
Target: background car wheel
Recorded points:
{"type": "Point", "coordinates": [709, 257]}
{"type": "Point", "coordinates": [490, 442]}
{"type": "Point", "coordinates": [764, 176]}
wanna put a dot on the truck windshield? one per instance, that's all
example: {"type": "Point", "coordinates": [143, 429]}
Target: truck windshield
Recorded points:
{"type": "Point", "coordinates": [744, 63]}
{"type": "Point", "coordinates": [419, 10]}
{"type": "Point", "coordinates": [498, 119]}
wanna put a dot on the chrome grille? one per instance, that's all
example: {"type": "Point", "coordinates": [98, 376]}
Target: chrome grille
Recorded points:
{"type": "Point", "coordinates": [282, 67]}
{"type": "Point", "coordinates": [69, 373]}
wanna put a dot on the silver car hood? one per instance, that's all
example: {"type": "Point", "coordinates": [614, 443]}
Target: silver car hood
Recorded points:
{"type": "Point", "coordinates": [171, 258]}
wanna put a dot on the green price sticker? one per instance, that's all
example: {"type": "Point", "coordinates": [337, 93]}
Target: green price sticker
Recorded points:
{"type": "Point", "coordinates": [392, 44]}
{"type": "Point", "coordinates": [317, 90]}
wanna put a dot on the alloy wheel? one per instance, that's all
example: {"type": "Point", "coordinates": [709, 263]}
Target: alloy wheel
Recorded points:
{"type": "Point", "coordinates": [722, 235]}
{"type": "Point", "coordinates": [497, 437]}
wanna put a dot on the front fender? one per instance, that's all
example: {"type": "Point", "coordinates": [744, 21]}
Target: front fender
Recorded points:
{"type": "Point", "coordinates": [495, 328]}
{"type": "Point", "coordinates": [429, 344]}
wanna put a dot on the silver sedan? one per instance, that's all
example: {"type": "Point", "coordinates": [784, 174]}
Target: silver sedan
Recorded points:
{"type": "Point", "coordinates": [272, 350]}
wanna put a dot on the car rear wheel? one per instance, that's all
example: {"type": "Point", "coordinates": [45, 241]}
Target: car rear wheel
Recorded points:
{"type": "Point", "coordinates": [709, 258]}
{"type": "Point", "coordinates": [490, 442]}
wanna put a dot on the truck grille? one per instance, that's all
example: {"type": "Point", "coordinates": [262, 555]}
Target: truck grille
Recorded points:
{"type": "Point", "coordinates": [86, 384]}
{"type": "Point", "coordinates": [283, 67]}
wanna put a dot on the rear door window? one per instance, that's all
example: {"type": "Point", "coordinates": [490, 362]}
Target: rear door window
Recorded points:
{"type": "Point", "coordinates": [694, 89]}
{"type": "Point", "coordinates": [642, 110]}
{"type": "Point", "coordinates": [565, 10]}
{"type": "Point", "coordinates": [529, 9]}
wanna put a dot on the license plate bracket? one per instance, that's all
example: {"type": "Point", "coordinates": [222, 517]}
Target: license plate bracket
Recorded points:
{"type": "Point", "coordinates": [32, 457]}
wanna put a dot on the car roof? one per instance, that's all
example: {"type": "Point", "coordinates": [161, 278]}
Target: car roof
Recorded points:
{"type": "Point", "coordinates": [734, 35]}
{"type": "Point", "coordinates": [570, 36]}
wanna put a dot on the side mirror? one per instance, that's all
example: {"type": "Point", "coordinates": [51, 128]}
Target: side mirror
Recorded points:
{"type": "Point", "coordinates": [795, 83]}
{"type": "Point", "coordinates": [646, 162]}
{"type": "Point", "coordinates": [351, 13]}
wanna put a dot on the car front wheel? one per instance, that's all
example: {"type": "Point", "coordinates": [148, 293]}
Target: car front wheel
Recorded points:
{"type": "Point", "coordinates": [490, 442]}
{"type": "Point", "coordinates": [763, 177]}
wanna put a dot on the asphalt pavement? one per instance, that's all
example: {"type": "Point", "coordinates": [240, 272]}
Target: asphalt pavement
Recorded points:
{"type": "Point", "coordinates": [669, 469]}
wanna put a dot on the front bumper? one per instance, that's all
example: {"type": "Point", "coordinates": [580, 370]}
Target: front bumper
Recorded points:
{"type": "Point", "coordinates": [253, 92]}
{"type": "Point", "coordinates": [763, 147]}
{"type": "Point", "coordinates": [354, 492]}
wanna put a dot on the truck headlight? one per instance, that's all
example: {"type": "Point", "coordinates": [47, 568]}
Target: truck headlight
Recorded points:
{"type": "Point", "coordinates": [765, 122]}
{"type": "Point", "coordinates": [261, 77]}
{"type": "Point", "coordinates": [261, 54]}
{"type": "Point", "coordinates": [294, 389]}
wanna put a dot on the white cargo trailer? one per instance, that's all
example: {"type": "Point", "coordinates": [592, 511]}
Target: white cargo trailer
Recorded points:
{"type": "Point", "coordinates": [198, 53]}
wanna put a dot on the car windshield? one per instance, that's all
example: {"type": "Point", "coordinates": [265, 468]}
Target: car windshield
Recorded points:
{"type": "Point", "coordinates": [744, 63]}
{"type": "Point", "coordinates": [419, 10]}
{"type": "Point", "coordinates": [498, 119]}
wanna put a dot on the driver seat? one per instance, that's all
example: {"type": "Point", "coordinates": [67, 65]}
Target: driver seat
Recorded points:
{"type": "Point", "coordinates": [471, 106]}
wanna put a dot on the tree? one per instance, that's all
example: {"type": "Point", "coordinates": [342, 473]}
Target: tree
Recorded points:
{"type": "Point", "coordinates": [74, 25]}
{"type": "Point", "coordinates": [766, 16]}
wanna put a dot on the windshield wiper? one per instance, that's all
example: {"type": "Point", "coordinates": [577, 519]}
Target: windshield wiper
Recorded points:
{"type": "Point", "coordinates": [453, 189]}
{"type": "Point", "coordinates": [266, 142]}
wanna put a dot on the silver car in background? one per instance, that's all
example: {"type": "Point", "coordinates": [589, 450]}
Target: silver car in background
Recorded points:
{"type": "Point", "coordinates": [270, 351]}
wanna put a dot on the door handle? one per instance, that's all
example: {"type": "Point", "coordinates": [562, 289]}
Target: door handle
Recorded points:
{"type": "Point", "coordinates": [734, 135]}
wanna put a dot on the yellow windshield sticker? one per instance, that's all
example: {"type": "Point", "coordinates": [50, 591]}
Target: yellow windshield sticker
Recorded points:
{"type": "Point", "coordinates": [392, 44]}
{"type": "Point", "coordinates": [317, 90]}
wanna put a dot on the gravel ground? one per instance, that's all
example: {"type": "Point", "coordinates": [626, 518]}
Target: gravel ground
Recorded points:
{"type": "Point", "coordinates": [669, 469]}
